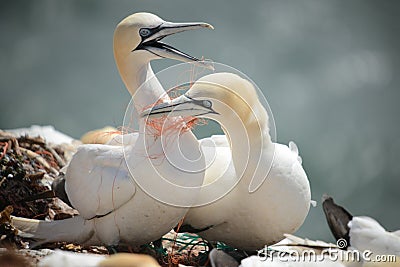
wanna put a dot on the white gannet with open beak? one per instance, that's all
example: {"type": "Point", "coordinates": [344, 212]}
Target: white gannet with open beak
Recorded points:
{"type": "Point", "coordinates": [101, 180]}
{"type": "Point", "coordinates": [281, 203]}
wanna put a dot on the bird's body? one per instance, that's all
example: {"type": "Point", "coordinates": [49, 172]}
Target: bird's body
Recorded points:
{"type": "Point", "coordinates": [250, 221]}
{"type": "Point", "coordinates": [111, 186]}
{"type": "Point", "coordinates": [367, 234]}
{"type": "Point", "coordinates": [255, 212]}
{"type": "Point", "coordinates": [105, 194]}
{"type": "Point", "coordinates": [113, 208]}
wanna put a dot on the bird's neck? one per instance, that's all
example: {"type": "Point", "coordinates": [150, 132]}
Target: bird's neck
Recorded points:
{"type": "Point", "coordinates": [140, 81]}
{"type": "Point", "coordinates": [249, 140]}
{"type": "Point", "coordinates": [146, 90]}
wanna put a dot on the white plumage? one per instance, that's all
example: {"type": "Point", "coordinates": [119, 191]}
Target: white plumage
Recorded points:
{"type": "Point", "coordinates": [101, 181]}
{"type": "Point", "coordinates": [280, 199]}
{"type": "Point", "coordinates": [367, 234]}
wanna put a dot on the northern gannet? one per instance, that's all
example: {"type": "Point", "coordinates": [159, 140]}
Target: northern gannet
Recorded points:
{"type": "Point", "coordinates": [360, 232]}
{"type": "Point", "coordinates": [98, 181]}
{"type": "Point", "coordinates": [280, 205]}
{"type": "Point", "coordinates": [370, 245]}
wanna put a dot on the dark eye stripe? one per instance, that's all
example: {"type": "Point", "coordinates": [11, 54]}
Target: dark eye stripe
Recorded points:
{"type": "Point", "coordinates": [204, 103]}
{"type": "Point", "coordinates": [146, 32]}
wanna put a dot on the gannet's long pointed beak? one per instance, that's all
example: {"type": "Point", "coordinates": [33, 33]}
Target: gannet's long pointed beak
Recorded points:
{"type": "Point", "coordinates": [169, 28]}
{"type": "Point", "coordinates": [182, 106]}
{"type": "Point", "coordinates": [151, 41]}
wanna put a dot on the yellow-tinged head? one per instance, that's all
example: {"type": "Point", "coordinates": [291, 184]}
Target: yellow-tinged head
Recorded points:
{"type": "Point", "coordinates": [223, 97]}
{"type": "Point", "coordinates": [140, 34]}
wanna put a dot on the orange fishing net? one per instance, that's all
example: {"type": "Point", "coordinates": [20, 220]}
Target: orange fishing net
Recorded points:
{"type": "Point", "coordinates": [166, 125]}
{"type": "Point", "coordinates": [169, 125]}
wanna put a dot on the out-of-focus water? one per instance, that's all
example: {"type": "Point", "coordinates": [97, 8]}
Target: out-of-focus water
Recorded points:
{"type": "Point", "coordinates": [330, 70]}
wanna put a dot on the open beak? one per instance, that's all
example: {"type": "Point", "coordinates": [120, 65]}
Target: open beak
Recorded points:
{"type": "Point", "coordinates": [152, 42]}
{"type": "Point", "coordinates": [181, 106]}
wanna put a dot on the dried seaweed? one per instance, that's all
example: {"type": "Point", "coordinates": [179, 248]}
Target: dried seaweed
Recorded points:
{"type": "Point", "coordinates": [27, 167]}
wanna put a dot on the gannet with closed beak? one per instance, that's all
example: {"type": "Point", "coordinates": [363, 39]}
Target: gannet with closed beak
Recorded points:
{"type": "Point", "coordinates": [243, 219]}
{"type": "Point", "coordinates": [101, 180]}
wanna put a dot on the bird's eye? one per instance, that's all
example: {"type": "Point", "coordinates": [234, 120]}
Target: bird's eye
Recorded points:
{"type": "Point", "coordinates": [207, 103]}
{"type": "Point", "coordinates": [144, 32]}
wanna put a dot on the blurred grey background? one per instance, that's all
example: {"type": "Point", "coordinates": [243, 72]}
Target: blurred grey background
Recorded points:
{"type": "Point", "coordinates": [329, 69]}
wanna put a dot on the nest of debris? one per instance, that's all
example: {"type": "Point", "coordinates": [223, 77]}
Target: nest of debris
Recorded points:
{"type": "Point", "coordinates": [28, 166]}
